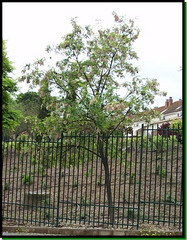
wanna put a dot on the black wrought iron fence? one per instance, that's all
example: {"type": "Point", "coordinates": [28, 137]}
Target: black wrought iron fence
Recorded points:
{"type": "Point", "coordinates": [121, 180]}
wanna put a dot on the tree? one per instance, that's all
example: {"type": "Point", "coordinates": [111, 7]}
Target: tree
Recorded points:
{"type": "Point", "coordinates": [88, 76]}
{"type": "Point", "coordinates": [30, 104]}
{"type": "Point", "coordinates": [10, 117]}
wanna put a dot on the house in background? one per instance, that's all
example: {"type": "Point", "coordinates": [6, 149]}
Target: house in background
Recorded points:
{"type": "Point", "coordinates": [170, 111]}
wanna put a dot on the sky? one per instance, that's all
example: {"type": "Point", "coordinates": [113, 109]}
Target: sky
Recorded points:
{"type": "Point", "coordinates": [29, 27]}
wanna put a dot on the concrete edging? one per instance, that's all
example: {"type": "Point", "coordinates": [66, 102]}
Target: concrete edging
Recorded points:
{"type": "Point", "coordinates": [82, 231]}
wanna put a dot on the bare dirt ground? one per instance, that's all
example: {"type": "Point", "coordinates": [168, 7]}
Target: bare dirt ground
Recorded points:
{"type": "Point", "coordinates": [152, 185]}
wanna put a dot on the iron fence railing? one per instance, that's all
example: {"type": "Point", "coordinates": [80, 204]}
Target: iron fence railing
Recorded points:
{"type": "Point", "coordinates": [121, 180]}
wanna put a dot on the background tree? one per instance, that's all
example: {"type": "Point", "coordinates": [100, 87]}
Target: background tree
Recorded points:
{"type": "Point", "coordinates": [10, 117]}
{"type": "Point", "coordinates": [88, 77]}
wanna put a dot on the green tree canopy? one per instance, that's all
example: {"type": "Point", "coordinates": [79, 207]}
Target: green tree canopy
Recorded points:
{"type": "Point", "coordinates": [29, 104]}
{"type": "Point", "coordinates": [88, 76]}
{"type": "Point", "coordinates": [32, 104]}
{"type": "Point", "coordinates": [10, 117]}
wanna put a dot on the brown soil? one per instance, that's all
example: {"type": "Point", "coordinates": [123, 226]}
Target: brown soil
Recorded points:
{"type": "Point", "coordinates": [82, 194]}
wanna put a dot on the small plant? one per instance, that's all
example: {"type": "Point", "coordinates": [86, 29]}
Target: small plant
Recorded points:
{"type": "Point", "coordinates": [45, 202]}
{"type": "Point", "coordinates": [6, 186]}
{"type": "Point", "coordinates": [88, 173]}
{"type": "Point", "coordinates": [34, 161]}
{"type": "Point", "coordinates": [83, 199]}
{"type": "Point", "coordinates": [40, 169]}
{"type": "Point", "coordinates": [15, 166]}
{"type": "Point", "coordinates": [157, 169]}
{"type": "Point", "coordinates": [44, 185]}
{"type": "Point", "coordinates": [75, 184]}
{"type": "Point", "coordinates": [169, 198]}
{"type": "Point", "coordinates": [163, 173]}
{"type": "Point", "coordinates": [22, 230]}
{"type": "Point", "coordinates": [44, 174]}
{"type": "Point", "coordinates": [21, 158]}
{"type": "Point", "coordinates": [99, 183]}
{"type": "Point", "coordinates": [27, 179]}
{"type": "Point", "coordinates": [125, 174]}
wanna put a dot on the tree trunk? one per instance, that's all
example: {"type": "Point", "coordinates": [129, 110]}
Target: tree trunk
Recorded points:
{"type": "Point", "coordinates": [107, 181]}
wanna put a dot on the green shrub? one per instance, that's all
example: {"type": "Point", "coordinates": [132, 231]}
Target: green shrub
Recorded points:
{"type": "Point", "coordinates": [163, 173]}
{"type": "Point", "coordinates": [27, 179]}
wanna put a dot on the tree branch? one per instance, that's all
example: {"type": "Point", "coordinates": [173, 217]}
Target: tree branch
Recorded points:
{"type": "Point", "coordinates": [107, 73]}
{"type": "Point", "coordinates": [100, 80]}
{"type": "Point", "coordinates": [120, 121]}
{"type": "Point", "coordinates": [76, 57]}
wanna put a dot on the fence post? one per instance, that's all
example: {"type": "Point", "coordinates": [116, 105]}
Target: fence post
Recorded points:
{"type": "Point", "coordinates": [141, 157]}
{"type": "Point", "coordinates": [58, 200]}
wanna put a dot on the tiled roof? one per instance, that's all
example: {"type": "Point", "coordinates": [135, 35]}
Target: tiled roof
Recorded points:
{"type": "Point", "coordinates": [175, 107]}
